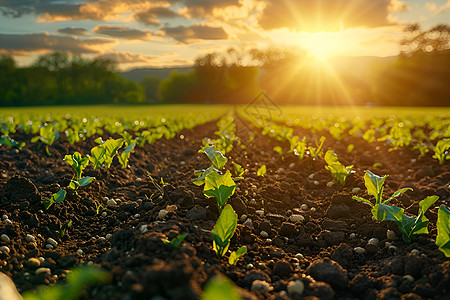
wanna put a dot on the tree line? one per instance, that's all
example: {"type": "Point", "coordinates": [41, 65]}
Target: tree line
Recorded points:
{"type": "Point", "coordinates": [417, 77]}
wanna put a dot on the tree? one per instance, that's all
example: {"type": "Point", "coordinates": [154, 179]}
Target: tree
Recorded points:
{"type": "Point", "coordinates": [425, 41]}
{"type": "Point", "coordinates": [150, 85]}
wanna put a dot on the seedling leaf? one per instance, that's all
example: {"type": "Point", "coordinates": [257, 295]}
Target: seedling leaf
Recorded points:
{"type": "Point", "coordinates": [219, 186]}
{"type": "Point", "coordinates": [261, 171]}
{"type": "Point", "coordinates": [235, 255]}
{"type": "Point", "coordinates": [443, 230]}
{"type": "Point", "coordinates": [216, 157]}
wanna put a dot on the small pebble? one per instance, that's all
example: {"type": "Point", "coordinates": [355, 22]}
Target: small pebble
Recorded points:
{"type": "Point", "coordinates": [259, 212]}
{"type": "Point", "coordinates": [393, 248]}
{"type": "Point", "coordinates": [415, 251]}
{"type": "Point", "coordinates": [5, 238]}
{"type": "Point", "coordinates": [330, 184]}
{"type": "Point", "coordinates": [243, 217]}
{"type": "Point", "coordinates": [162, 214]}
{"type": "Point", "coordinates": [356, 190]}
{"type": "Point", "coordinates": [296, 218]}
{"type": "Point", "coordinates": [33, 263]}
{"type": "Point", "coordinates": [387, 244]}
{"type": "Point", "coordinates": [409, 278]}
{"type": "Point", "coordinates": [108, 236]}
{"type": "Point", "coordinates": [352, 235]}
{"type": "Point", "coordinates": [41, 259]}
{"type": "Point", "coordinates": [143, 228]}
{"type": "Point", "coordinates": [260, 285]}
{"type": "Point", "coordinates": [253, 200]}
{"type": "Point", "coordinates": [48, 246]}
{"type": "Point", "coordinates": [359, 250]}
{"type": "Point", "coordinates": [138, 179]}
{"type": "Point", "coordinates": [8, 222]}
{"type": "Point", "coordinates": [291, 165]}
{"type": "Point", "coordinates": [104, 214]}
{"type": "Point", "coordinates": [295, 287]}
{"type": "Point", "coordinates": [264, 234]}
{"type": "Point", "coordinates": [52, 242]}
{"type": "Point", "coordinates": [111, 202]}
{"type": "Point", "coordinates": [105, 199]}
{"type": "Point", "coordinates": [248, 223]}
{"type": "Point", "coordinates": [316, 182]}
{"type": "Point", "coordinates": [4, 249]}
{"type": "Point", "coordinates": [80, 252]}
{"type": "Point", "coordinates": [299, 256]}
{"type": "Point", "coordinates": [313, 209]}
{"type": "Point", "coordinates": [311, 176]}
{"type": "Point", "coordinates": [304, 207]}
{"type": "Point", "coordinates": [249, 266]}
{"type": "Point", "coordinates": [413, 160]}
{"type": "Point", "coordinates": [390, 235]}
{"type": "Point", "coordinates": [4, 217]}
{"type": "Point", "coordinates": [30, 239]}
{"type": "Point", "coordinates": [45, 271]}
{"type": "Point", "coordinates": [374, 241]}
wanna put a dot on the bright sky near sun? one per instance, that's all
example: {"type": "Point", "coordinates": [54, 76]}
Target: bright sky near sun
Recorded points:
{"type": "Point", "coordinates": [139, 33]}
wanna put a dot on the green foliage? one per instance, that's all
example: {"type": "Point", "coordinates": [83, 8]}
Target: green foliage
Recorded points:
{"type": "Point", "coordinates": [77, 162]}
{"type": "Point", "coordinates": [442, 150]}
{"type": "Point", "coordinates": [296, 147]}
{"type": "Point", "coordinates": [409, 226]}
{"type": "Point", "coordinates": [47, 136]}
{"type": "Point", "coordinates": [239, 171]}
{"type": "Point", "coordinates": [77, 280]}
{"type": "Point", "coordinates": [219, 186]}
{"type": "Point", "coordinates": [338, 171]}
{"type": "Point", "coordinates": [176, 241]}
{"type": "Point", "coordinates": [224, 230]}
{"type": "Point", "coordinates": [7, 141]}
{"type": "Point", "coordinates": [83, 181]}
{"type": "Point", "coordinates": [216, 157]}
{"type": "Point", "coordinates": [235, 255]}
{"type": "Point", "coordinates": [318, 151]}
{"type": "Point", "coordinates": [125, 155]}
{"type": "Point", "coordinates": [97, 157]}
{"type": "Point", "coordinates": [443, 230]}
{"type": "Point", "coordinates": [56, 197]}
{"type": "Point", "coordinates": [380, 210]}
{"type": "Point", "coordinates": [64, 227]}
{"type": "Point", "coordinates": [220, 288]}
{"type": "Point", "coordinates": [105, 152]}
{"type": "Point", "coordinates": [261, 171]}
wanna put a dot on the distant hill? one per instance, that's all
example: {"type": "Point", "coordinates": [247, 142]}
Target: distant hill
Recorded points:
{"type": "Point", "coordinates": [138, 74]}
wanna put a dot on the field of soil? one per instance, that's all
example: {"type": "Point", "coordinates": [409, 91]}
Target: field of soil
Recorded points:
{"type": "Point", "coordinates": [296, 226]}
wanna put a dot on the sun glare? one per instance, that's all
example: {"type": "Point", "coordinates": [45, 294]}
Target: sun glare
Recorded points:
{"type": "Point", "coordinates": [320, 45]}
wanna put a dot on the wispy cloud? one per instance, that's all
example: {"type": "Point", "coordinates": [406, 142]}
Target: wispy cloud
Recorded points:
{"type": "Point", "coordinates": [188, 34]}
{"type": "Point", "coordinates": [73, 31]}
{"type": "Point", "coordinates": [122, 32]}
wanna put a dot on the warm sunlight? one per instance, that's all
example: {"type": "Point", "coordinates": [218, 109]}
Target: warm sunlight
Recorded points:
{"type": "Point", "coordinates": [321, 45]}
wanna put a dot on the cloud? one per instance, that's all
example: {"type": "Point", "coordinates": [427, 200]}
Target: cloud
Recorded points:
{"type": "Point", "coordinates": [20, 44]}
{"type": "Point", "coordinates": [195, 32]}
{"type": "Point", "coordinates": [431, 6]}
{"type": "Point", "coordinates": [327, 15]}
{"type": "Point", "coordinates": [73, 31]}
{"type": "Point", "coordinates": [443, 7]}
{"type": "Point", "coordinates": [151, 16]}
{"type": "Point", "coordinates": [126, 57]}
{"type": "Point", "coordinates": [122, 32]}
{"type": "Point", "coordinates": [205, 8]}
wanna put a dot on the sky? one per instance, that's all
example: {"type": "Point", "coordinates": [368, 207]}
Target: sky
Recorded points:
{"type": "Point", "coordinates": [138, 33]}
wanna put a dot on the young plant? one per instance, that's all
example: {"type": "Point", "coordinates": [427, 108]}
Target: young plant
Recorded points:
{"type": "Point", "coordinates": [64, 227]}
{"type": "Point", "coordinates": [380, 210]}
{"type": "Point", "coordinates": [220, 288]}
{"type": "Point", "coordinates": [235, 255]}
{"type": "Point", "coordinates": [219, 186]}
{"type": "Point", "coordinates": [442, 150]}
{"type": "Point", "coordinates": [239, 171]}
{"type": "Point", "coordinates": [338, 170]}
{"type": "Point", "coordinates": [410, 227]}
{"type": "Point", "coordinates": [105, 152]}
{"type": "Point", "coordinates": [7, 141]}
{"type": "Point", "coordinates": [125, 155]}
{"type": "Point", "coordinates": [317, 152]}
{"type": "Point", "coordinates": [47, 136]}
{"type": "Point", "coordinates": [217, 159]}
{"type": "Point", "coordinates": [176, 241]}
{"type": "Point", "coordinates": [261, 171]}
{"type": "Point", "coordinates": [56, 197]}
{"type": "Point", "coordinates": [443, 230]}
{"type": "Point", "coordinates": [224, 230]}
{"type": "Point", "coordinates": [296, 147]}
{"type": "Point", "coordinates": [77, 162]}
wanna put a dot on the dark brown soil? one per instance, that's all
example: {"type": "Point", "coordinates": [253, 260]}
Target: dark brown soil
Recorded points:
{"type": "Point", "coordinates": [142, 267]}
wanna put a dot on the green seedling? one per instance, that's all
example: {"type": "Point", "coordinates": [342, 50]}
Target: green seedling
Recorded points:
{"type": "Point", "coordinates": [296, 147]}
{"type": "Point", "coordinates": [7, 141]}
{"type": "Point", "coordinates": [380, 210]}
{"type": "Point", "coordinates": [125, 155]}
{"type": "Point", "coordinates": [279, 150]}
{"type": "Point", "coordinates": [235, 255]}
{"type": "Point", "coordinates": [75, 184]}
{"type": "Point", "coordinates": [77, 162]}
{"type": "Point", "coordinates": [261, 171]}
{"type": "Point", "coordinates": [105, 152]}
{"type": "Point", "coordinates": [176, 241]}
{"type": "Point", "coordinates": [338, 170]}
{"type": "Point", "coordinates": [63, 229]}
{"type": "Point", "coordinates": [219, 186]}
{"type": "Point", "coordinates": [239, 171]}
{"type": "Point", "coordinates": [221, 288]}
{"type": "Point", "coordinates": [224, 230]}
{"type": "Point", "coordinates": [76, 283]}
{"type": "Point", "coordinates": [317, 152]}
{"type": "Point", "coordinates": [443, 230]}
{"type": "Point", "coordinates": [218, 160]}
{"type": "Point", "coordinates": [56, 197]}
{"type": "Point", "coordinates": [442, 150]}
{"type": "Point", "coordinates": [47, 136]}
{"type": "Point", "coordinates": [410, 227]}
{"type": "Point", "coordinates": [98, 206]}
